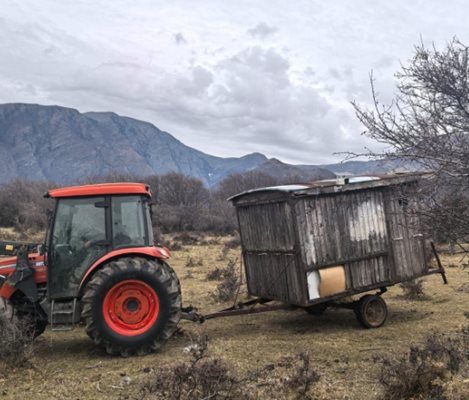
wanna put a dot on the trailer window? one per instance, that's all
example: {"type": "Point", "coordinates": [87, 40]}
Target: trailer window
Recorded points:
{"type": "Point", "coordinates": [128, 228]}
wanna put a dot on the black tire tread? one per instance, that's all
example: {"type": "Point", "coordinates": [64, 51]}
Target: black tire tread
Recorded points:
{"type": "Point", "coordinates": [359, 311]}
{"type": "Point", "coordinates": [165, 275]}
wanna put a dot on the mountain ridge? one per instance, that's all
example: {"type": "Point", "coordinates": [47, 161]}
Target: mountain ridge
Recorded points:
{"type": "Point", "coordinates": [61, 144]}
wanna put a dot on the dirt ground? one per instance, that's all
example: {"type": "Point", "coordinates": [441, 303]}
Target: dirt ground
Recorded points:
{"type": "Point", "coordinates": [67, 365]}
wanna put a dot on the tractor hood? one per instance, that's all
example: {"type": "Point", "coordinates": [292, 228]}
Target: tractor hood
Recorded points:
{"type": "Point", "coordinates": [7, 267]}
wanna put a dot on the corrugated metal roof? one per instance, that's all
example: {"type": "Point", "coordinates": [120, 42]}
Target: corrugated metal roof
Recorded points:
{"type": "Point", "coordinates": [337, 185]}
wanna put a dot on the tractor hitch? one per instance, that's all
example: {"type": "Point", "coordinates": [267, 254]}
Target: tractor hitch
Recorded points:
{"type": "Point", "coordinates": [243, 308]}
{"type": "Point", "coordinates": [190, 314]}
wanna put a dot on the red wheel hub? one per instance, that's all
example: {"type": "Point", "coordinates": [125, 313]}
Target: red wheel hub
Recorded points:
{"type": "Point", "coordinates": [131, 307]}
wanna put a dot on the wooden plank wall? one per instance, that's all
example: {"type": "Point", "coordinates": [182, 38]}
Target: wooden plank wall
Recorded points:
{"type": "Point", "coordinates": [335, 229]}
{"type": "Point", "coordinates": [268, 239]}
{"type": "Point", "coordinates": [368, 272]}
{"type": "Point", "coordinates": [274, 276]}
{"type": "Point", "coordinates": [266, 227]}
{"type": "Point", "coordinates": [407, 241]}
{"type": "Point", "coordinates": [367, 231]}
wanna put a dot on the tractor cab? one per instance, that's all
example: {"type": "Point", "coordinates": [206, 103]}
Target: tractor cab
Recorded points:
{"type": "Point", "coordinates": [90, 222]}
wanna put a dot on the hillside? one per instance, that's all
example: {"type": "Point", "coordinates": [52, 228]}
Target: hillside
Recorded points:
{"type": "Point", "coordinates": [63, 145]}
{"type": "Point", "coordinates": [372, 167]}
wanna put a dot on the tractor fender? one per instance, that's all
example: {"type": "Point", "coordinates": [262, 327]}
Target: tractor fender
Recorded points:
{"type": "Point", "coordinates": [161, 253]}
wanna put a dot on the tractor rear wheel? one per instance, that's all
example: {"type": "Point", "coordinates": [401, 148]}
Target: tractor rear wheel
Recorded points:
{"type": "Point", "coordinates": [30, 326]}
{"type": "Point", "coordinates": [132, 306]}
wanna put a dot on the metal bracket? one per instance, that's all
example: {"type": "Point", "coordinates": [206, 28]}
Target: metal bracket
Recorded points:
{"type": "Point", "coordinates": [441, 269]}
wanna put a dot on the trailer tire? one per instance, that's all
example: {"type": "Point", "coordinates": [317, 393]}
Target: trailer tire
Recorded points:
{"type": "Point", "coordinates": [132, 306]}
{"type": "Point", "coordinates": [371, 311]}
{"type": "Point", "coordinates": [30, 326]}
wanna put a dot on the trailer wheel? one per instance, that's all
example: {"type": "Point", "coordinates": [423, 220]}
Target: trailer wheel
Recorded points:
{"type": "Point", "coordinates": [317, 309]}
{"type": "Point", "coordinates": [30, 325]}
{"type": "Point", "coordinates": [132, 306]}
{"type": "Point", "coordinates": [371, 311]}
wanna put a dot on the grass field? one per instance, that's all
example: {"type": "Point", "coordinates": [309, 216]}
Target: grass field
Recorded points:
{"type": "Point", "coordinates": [67, 365]}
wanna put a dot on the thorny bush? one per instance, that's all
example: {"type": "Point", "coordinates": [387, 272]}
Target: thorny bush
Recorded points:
{"type": "Point", "coordinates": [413, 290]}
{"type": "Point", "coordinates": [228, 288]}
{"type": "Point", "coordinates": [423, 371]}
{"type": "Point", "coordinates": [16, 344]}
{"type": "Point", "coordinates": [204, 377]}
{"type": "Point", "coordinates": [231, 244]}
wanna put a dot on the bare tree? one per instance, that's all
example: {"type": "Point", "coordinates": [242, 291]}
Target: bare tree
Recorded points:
{"type": "Point", "coordinates": [428, 123]}
{"type": "Point", "coordinates": [240, 182]}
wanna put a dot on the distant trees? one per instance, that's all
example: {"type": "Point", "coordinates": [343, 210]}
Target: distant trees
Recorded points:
{"type": "Point", "coordinates": [240, 182]}
{"type": "Point", "coordinates": [182, 203]}
{"type": "Point", "coordinates": [428, 122]}
{"type": "Point", "coordinates": [23, 206]}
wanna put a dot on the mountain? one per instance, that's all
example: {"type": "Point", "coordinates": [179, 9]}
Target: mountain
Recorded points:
{"type": "Point", "coordinates": [373, 167]}
{"type": "Point", "coordinates": [63, 145]}
{"type": "Point", "coordinates": [300, 173]}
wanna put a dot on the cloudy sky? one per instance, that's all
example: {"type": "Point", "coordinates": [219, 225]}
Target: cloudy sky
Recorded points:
{"type": "Point", "coordinates": [226, 77]}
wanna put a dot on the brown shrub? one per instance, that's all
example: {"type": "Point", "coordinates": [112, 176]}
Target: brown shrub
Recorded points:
{"type": "Point", "coordinates": [413, 290]}
{"type": "Point", "coordinates": [187, 239]}
{"type": "Point", "coordinates": [16, 344]}
{"type": "Point", "coordinates": [228, 288]}
{"type": "Point", "coordinates": [422, 372]}
{"type": "Point", "coordinates": [194, 262]}
{"type": "Point", "coordinates": [231, 244]}
{"type": "Point", "coordinates": [216, 274]}
{"type": "Point", "coordinates": [204, 377]}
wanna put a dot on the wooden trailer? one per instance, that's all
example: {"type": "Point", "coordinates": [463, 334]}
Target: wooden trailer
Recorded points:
{"type": "Point", "coordinates": [312, 245]}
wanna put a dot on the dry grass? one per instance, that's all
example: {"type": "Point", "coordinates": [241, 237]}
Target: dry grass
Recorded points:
{"type": "Point", "coordinates": [70, 366]}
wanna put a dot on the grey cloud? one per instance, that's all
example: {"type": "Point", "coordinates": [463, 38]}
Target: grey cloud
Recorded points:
{"type": "Point", "coordinates": [179, 38]}
{"type": "Point", "coordinates": [262, 30]}
{"type": "Point", "coordinates": [218, 91]}
{"type": "Point", "coordinates": [246, 100]}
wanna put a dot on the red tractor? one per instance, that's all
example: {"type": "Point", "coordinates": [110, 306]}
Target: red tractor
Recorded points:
{"type": "Point", "coordinates": [99, 266]}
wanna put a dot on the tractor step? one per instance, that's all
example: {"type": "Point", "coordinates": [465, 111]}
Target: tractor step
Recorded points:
{"type": "Point", "coordinates": [63, 315]}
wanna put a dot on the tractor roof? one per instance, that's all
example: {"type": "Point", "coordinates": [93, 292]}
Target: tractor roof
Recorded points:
{"type": "Point", "coordinates": [100, 189]}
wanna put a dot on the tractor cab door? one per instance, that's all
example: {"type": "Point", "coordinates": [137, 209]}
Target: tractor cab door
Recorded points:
{"type": "Point", "coordinates": [79, 237]}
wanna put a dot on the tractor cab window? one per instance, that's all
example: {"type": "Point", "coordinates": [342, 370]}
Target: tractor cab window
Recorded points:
{"type": "Point", "coordinates": [128, 222]}
{"type": "Point", "coordinates": [78, 239]}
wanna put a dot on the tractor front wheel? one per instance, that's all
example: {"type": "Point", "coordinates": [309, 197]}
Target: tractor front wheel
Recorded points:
{"type": "Point", "coordinates": [132, 306]}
